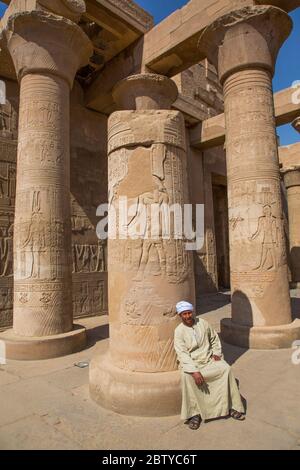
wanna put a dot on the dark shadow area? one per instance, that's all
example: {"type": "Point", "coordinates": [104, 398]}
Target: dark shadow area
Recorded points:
{"type": "Point", "coordinates": [295, 302]}
{"type": "Point", "coordinates": [241, 309]}
{"type": "Point", "coordinates": [209, 302]}
{"type": "Point", "coordinates": [232, 353]}
{"type": "Point", "coordinates": [204, 282]}
{"type": "Point", "coordinates": [241, 314]}
{"type": "Point", "coordinates": [99, 333]}
{"type": "Point", "coordinates": [295, 263]}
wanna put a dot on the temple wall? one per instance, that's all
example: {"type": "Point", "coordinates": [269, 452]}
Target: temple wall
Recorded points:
{"type": "Point", "coordinates": [88, 191]}
{"type": "Point", "coordinates": [8, 159]}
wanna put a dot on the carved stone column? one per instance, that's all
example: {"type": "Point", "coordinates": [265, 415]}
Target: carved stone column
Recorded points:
{"type": "Point", "coordinates": [147, 274]}
{"type": "Point", "coordinates": [292, 184]}
{"type": "Point", "coordinates": [47, 50]}
{"type": "Point", "coordinates": [243, 45]}
{"type": "Point", "coordinates": [291, 175]}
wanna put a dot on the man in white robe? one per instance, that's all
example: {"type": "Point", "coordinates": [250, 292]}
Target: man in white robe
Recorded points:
{"type": "Point", "coordinates": [209, 389]}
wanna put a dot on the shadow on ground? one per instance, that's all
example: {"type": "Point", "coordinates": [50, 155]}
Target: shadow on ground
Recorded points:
{"type": "Point", "coordinates": [96, 334]}
{"type": "Point", "coordinates": [210, 302]}
{"type": "Point", "coordinates": [295, 301]}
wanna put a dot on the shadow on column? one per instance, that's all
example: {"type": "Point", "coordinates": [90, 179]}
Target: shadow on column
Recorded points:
{"type": "Point", "coordinates": [241, 315]}
{"type": "Point", "coordinates": [295, 264]}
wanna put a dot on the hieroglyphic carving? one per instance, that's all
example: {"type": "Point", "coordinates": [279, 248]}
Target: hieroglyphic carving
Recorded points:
{"type": "Point", "coordinates": [89, 297]}
{"type": "Point", "coordinates": [6, 251]}
{"type": "Point", "coordinates": [8, 157]}
{"type": "Point", "coordinates": [89, 258]}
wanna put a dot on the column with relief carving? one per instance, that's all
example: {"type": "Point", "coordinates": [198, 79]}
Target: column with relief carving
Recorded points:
{"type": "Point", "coordinates": [291, 175]}
{"type": "Point", "coordinates": [47, 50]}
{"type": "Point", "coordinates": [261, 310]}
{"type": "Point", "coordinates": [148, 273]}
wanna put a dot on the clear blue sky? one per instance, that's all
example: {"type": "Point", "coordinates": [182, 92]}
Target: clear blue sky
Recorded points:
{"type": "Point", "coordinates": [288, 64]}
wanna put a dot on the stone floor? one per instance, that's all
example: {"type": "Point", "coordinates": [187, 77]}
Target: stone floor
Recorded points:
{"type": "Point", "coordinates": [46, 404]}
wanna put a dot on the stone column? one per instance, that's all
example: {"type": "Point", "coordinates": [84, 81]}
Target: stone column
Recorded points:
{"type": "Point", "coordinates": [47, 50]}
{"type": "Point", "coordinates": [291, 175]}
{"type": "Point", "coordinates": [147, 273]}
{"type": "Point", "coordinates": [243, 45]}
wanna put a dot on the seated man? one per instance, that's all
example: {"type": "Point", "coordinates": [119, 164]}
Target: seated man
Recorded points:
{"type": "Point", "coordinates": [209, 389]}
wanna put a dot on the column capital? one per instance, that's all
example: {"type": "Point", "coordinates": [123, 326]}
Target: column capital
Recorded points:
{"type": "Point", "coordinates": [247, 38]}
{"type": "Point", "coordinates": [43, 43]}
{"type": "Point", "coordinates": [296, 124]}
{"type": "Point", "coordinates": [145, 91]}
{"type": "Point", "coordinates": [71, 9]}
{"type": "Point", "coordinates": [291, 176]}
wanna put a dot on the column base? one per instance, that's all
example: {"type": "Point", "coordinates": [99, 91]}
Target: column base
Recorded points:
{"type": "Point", "coordinates": [24, 348]}
{"type": "Point", "coordinates": [260, 337]}
{"type": "Point", "coordinates": [134, 393]}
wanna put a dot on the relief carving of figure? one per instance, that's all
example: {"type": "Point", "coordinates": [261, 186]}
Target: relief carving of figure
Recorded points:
{"type": "Point", "coordinates": [145, 201]}
{"type": "Point", "coordinates": [36, 236]}
{"type": "Point", "coordinates": [267, 230]}
{"type": "Point", "coordinates": [97, 257]}
{"type": "Point", "coordinates": [6, 252]}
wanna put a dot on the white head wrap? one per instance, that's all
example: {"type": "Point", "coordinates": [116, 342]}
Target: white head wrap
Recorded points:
{"type": "Point", "coordinates": [184, 307]}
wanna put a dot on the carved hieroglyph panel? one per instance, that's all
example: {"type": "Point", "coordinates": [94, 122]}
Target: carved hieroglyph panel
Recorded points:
{"type": "Point", "coordinates": [89, 295]}
{"type": "Point", "coordinates": [8, 157]}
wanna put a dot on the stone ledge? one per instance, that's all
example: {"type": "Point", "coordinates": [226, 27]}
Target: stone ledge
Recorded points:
{"type": "Point", "coordinates": [134, 393]}
{"type": "Point", "coordinates": [260, 337]}
{"type": "Point", "coordinates": [47, 347]}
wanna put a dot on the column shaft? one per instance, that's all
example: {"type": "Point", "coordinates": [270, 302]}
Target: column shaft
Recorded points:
{"type": "Point", "coordinates": [149, 268]}
{"type": "Point", "coordinates": [42, 242]}
{"type": "Point", "coordinates": [257, 244]}
{"type": "Point", "coordinates": [292, 182]}
{"type": "Point", "coordinates": [147, 275]}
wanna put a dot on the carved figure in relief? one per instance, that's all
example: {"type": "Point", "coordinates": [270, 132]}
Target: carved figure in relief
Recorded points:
{"type": "Point", "coordinates": [2, 180]}
{"type": "Point", "coordinates": [12, 181]}
{"type": "Point", "coordinates": [6, 252]}
{"type": "Point", "coordinates": [5, 118]}
{"type": "Point", "coordinates": [145, 202]}
{"type": "Point", "coordinates": [267, 229]}
{"type": "Point", "coordinates": [47, 150]}
{"type": "Point", "coordinates": [98, 257]}
{"type": "Point", "coordinates": [36, 236]}
{"type": "Point", "coordinates": [88, 258]}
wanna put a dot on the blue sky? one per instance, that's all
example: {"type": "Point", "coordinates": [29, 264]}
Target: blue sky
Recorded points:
{"type": "Point", "coordinates": [287, 69]}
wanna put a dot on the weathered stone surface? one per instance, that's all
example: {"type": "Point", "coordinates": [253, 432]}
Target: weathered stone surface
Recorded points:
{"type": "Point", "coordinates": [259, 283]}
{"type": "Point", "coordinates": [88, 191]}
{"type": "Point", "coordinates": [46, 51]}
{"type": "Point", "coordinates": [290, 160]}
{"type": "Point", "coordinates": [8, 161]}
{"type": "Point", "coordinates": [147, 275]}
{"type": "Point", "coordinates": [211, 132]}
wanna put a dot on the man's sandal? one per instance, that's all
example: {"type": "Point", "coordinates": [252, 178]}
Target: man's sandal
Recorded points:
{"type": "Point", "coordinates": [194, 422]}
{"type": "Point", "coordinates": [237, 415]}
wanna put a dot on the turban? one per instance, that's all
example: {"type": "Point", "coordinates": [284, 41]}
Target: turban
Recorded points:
{"type": "Point", "coordinates": [183, 307]}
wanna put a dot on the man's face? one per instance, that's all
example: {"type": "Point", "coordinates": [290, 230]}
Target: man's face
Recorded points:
{"type": "Point", "coordinates": [187, 317]}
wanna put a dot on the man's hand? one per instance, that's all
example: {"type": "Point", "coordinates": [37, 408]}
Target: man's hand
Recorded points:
{"type": "Point", "coordinates": [216, 358]}
{"type": "Point", "coordinates": [199, 379]}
